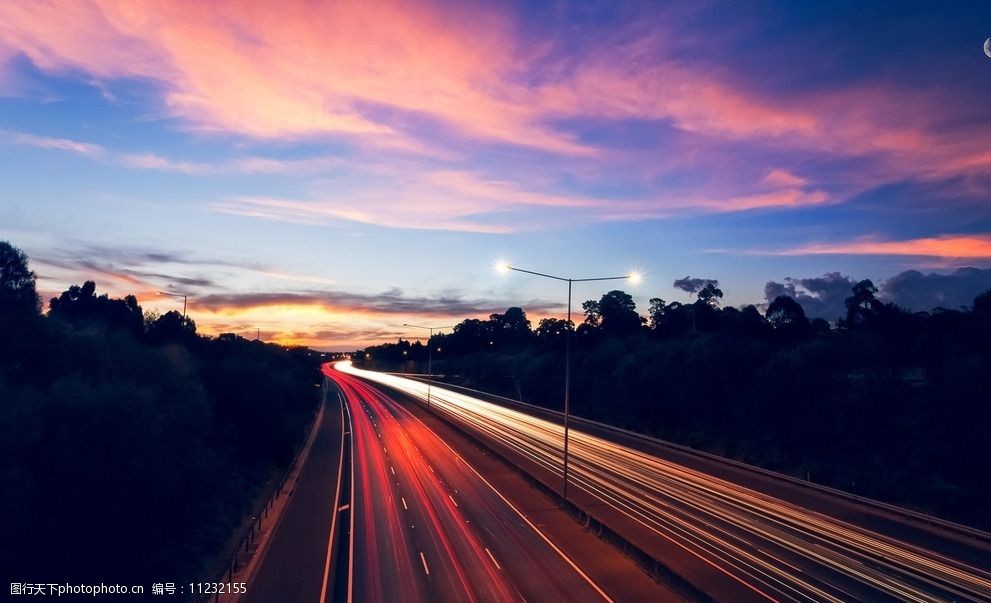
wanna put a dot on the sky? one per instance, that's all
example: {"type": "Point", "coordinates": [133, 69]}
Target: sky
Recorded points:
{"type": "Point", "coordinates": [323, 172]}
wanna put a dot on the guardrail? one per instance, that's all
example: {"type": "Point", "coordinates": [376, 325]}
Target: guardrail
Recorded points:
{"type": "Point", "coordinates": [950, 526]}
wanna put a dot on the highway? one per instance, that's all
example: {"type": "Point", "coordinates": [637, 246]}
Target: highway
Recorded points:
{"type": "Point", "coordinates": [757, 547]}
{"type": "Point", "coordinates": [427, 527]}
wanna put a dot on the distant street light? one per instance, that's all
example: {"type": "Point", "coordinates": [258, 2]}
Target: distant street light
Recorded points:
{"type": "Point", "coordinates": [430, 354]}
{"type": "Point", "coordinates": [633, 277]}
{"type": "Point", "coordinates": [183, 296]}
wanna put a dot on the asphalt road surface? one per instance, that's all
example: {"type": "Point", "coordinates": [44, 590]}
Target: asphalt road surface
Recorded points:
{"type": "Point", "coordinates": [415, 522]}
{"type": "Point", "coordinates": [428, 528]}
{"type": "Point", "coordinates": [749, 545]}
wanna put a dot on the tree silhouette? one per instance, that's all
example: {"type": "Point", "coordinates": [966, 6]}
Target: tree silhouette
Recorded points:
{"type": "Point", "coordinates": [616, 313]}
{"type": "Point", "coordinates": [511, 328]}
{"type": "Point", "coordinates": [788, 318]}
{"type": "Point", "coordinates": [171, 327]}
{"type": "Point", "coordinates": [18, 297]}
{"type": "Point", "coordinates": [592, 314]}
{"type": "Point", "coordinates": [550, 330]}
{"type": "Point", "coordinates": [863, 305]}
{"type": "Point", "coordinates": [161, 449]}
{"type": "Point", "coordinates": [982, 305]}
{"type": "Point", "coordinates": [710, 294]}
{"type": "Point", "coordinates": [81, 305]}
{"type": "Point", "coordinates": [656, 312]}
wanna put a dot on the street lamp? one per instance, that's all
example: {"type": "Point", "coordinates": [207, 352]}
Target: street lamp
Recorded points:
{"type": "Point", "coordinates": [183, 296]}
{"type": "Point", "coordinates": [633, 277]}
{"type": "Point", "coordinates": [430, 354]}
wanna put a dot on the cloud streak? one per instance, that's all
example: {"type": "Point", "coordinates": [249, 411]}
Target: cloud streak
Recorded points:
{"type": "Point", "coordinates": [390, 302]}
{"type": "Point", "coordinates": [943, 246]}
{"type": "Point", "coordinates": [432, 79]}
{"type": "Point", "coordinates": [397, 74]}
{"type": "Point", "coordinates": [46, 142]}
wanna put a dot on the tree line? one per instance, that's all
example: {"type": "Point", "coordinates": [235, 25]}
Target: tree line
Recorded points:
{"type": "Point", "coordinates": [132, 446]}
{"type": "Point", "coordinates": [883, 402]}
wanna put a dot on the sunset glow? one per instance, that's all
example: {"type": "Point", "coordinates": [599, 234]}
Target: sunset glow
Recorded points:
{"type": "Point", "coordinates": [320, 173]}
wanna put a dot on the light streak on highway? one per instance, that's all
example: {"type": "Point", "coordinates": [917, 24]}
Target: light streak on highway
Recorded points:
{"type": "Point", "coordinates": [427, 528]}
{"type": "Point", "coordinates": [777, 550]}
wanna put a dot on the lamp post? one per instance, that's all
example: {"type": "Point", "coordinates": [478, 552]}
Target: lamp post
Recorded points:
{"type": "Point", "coordinates": [183, 296]}
{"type": "Point", "coordinates": [430, 354]}
{"type": "Point", "coordinates": [633, 277]}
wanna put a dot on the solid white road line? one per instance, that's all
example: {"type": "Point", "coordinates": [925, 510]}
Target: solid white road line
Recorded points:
{"type": "Point", "coordinates": [337, 497]}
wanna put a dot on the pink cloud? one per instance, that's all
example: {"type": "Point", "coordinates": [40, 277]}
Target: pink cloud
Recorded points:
{"type": "Point", "coordinates": [474, 185]}
{"type": "Point", "coordinates": [784, 178]}
{"type": "Point", "coordinates": [153, 161]}
{"type": "Point", "coordinates": [309, 69]}
{"type": "Point", "coordinates": [381, 74]}
{"type": "Point", "coordinates": [395, 197]}
{"type": "Point", "coordinates": [397, 213]}
{"type": "Point", "coordinates": [45, 142]}
{"type": "Point", "coordinates": [790, 197]}
{"type": "Point", "coordinates": [300, 70]}
{"type": "Point", "coordinates": [944, 246]}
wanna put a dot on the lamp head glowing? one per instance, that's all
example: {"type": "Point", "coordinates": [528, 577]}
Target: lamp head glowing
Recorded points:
{"type": "Point", "coordinates": [635, 277]}
{"type": "Point", "coordinates": [502, 267]}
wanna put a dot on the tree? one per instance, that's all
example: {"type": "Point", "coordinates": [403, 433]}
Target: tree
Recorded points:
{"type": "Point", "coordinates": [81, 305]}
{"type": "Point", "coordinates": [743, 323]}
{"type": "Point", "coordinates": [512, 328]}
{"type": "Point", "coordinates": [785, 312]}
{"type": "Point", "coordinates": [551, 329]}
{"type": "Point", "coordinates": [656, 312]}
{"type": "Point", "coordinates": [18, 296]}
{"type": "Point", "coordinates": [710, 294]}
{"type": "Point", "coordinates": [172, 327]}
{"type": "Point", "coordinates": [469, 335]}
{"type": "Point", "coordinates": [592, 314]}
{"type": "Point", "coordinates": [788, 318]}
{"type": "Point", "coordinates": [863, 304]}
{"type": "Point", "coordinates": [615, 313]}
{"type": "Point", "coordinates": [982, 305]}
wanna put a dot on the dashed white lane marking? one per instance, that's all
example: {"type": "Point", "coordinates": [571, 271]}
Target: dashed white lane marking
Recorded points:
{"type": "Point", "coordinates": [492, 557]}
{"type": "Point", "coordinates": [404, 503]}
{"type": "Point", "coordinates": [424, 560]}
